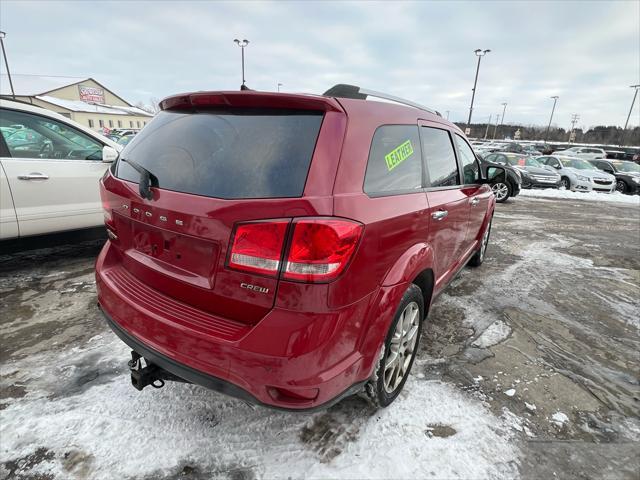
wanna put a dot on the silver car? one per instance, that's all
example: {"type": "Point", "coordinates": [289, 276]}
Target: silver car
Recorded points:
{"type": "Point", "coordinates": [578, 175]}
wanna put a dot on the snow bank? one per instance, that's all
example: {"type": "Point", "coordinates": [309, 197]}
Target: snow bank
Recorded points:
{"type": "Point", "coordinates": [592, 196]}
{"type": "Point", "coordinates": [81, 406]}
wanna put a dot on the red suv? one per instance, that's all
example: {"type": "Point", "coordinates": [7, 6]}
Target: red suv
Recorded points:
{"type": "Point", "coordinates": [283, 248]}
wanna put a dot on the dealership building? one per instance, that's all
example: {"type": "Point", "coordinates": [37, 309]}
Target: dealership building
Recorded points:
{"type": "Point", "coordinates": [83, 100]}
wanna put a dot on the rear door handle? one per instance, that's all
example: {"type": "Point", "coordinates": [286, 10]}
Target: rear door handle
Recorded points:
{"type": "Point", "coordinates": [34, 176]}
{"type": "Point", "coordinates": [439, 215]}
{"type": "Point", "coordinates": [475, 201]}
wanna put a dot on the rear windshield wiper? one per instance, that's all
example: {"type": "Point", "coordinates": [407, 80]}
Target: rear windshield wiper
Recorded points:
{"type": "Point", "coordinates": [147, 179]}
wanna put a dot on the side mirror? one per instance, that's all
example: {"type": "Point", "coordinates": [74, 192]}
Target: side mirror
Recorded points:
{"type": "Point", "coordinates": [109, 154]}
{"type": "Point", "coordinates": [494, 175]}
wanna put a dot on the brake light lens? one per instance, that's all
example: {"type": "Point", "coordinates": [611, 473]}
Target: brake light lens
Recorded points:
{"type": "Point", "coordinates": [257, 247]}
{"type": "Point", "coordinates": [321, 249]}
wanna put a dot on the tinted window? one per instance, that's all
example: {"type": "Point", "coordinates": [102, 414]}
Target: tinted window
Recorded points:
{"type": "Point", "coordinates": [440, 159]}
{"type": "Point", "coordinates": [34, 136]}
{"type": "Point", "coordinates": [470, 170]}
{"type": "Point", "coordinates": [226, 154]}
{"type": "Point", "coordinates": [394, 160]}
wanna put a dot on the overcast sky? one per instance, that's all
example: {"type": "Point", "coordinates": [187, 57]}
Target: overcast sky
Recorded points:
{"type": "Point", "coordinates": [588, 53]}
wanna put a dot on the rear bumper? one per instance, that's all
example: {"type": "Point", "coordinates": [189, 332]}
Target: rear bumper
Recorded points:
{"type": "Point", "coordinates": [288, 360]}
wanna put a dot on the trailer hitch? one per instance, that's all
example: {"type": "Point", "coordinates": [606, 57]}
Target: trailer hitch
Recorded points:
{"type": "Point", "coordinates": [150, 374]}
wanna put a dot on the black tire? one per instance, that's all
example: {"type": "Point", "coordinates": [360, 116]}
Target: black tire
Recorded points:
{"type": "Point", "coordinates": [621, 186]}
{"type": "Point", "coordinates": [479, 256]}
{"type": "Point", "coordinates": [565, 182]}
{"type": "Point", "coordinates": [500, 187]}
{"type": "Point", "coordinates": [375, 388]}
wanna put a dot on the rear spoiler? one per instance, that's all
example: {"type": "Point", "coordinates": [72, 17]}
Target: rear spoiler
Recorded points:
{"type": "Point", "coordinates": [250, 99]}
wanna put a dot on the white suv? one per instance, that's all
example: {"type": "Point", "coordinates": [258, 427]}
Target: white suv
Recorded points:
{"type": "Point", "coordinates": [586, 153]}
{"type": "Point", "coordinates": [49, 172]}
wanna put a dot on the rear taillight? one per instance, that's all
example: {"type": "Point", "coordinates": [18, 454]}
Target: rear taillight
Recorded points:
{"type": "Point", "coordinates": [321, 249]}
{"type": "Point", "coordinates": [257, 247]}
{"type": "Point", "coordinates": [108, 215]}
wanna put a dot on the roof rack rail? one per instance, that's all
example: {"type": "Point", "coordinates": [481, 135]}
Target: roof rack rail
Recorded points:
{"type": "Point", "coordinates": [342, 90]}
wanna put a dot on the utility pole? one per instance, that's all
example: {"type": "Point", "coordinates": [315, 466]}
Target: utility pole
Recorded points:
{"type": "Point", "coordinates": [495, 129]}
{"type": "Point", "coordinates": [486, 131]}
{"type": "Point", "coordinates": [504, 109]}
{"type": "Point", "coordinates": [242, 44]}
{"type": "Point", "coordinates": [624, 130]}
{"type": "Point", "coordinates": [6, 64]}
{"type": "Point", "coordinates": [555, 99]}
{"type": "Point", "coordinates": [574, 119]}
{"type": "Point", "coordinates": [479, 53]}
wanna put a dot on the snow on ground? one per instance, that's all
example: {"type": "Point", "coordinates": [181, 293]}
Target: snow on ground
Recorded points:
{"type": "Point", "coordinates": [592, 196]}
{"type": "Point", "coordinates": [494, 334]}
{"type": "Point", "coordinates": [80, 406]}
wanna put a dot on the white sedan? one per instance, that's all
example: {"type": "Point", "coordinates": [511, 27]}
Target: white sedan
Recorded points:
{"type": "Point", "coordinates": [49, 172]}
{"type": "Point", "coordinates": [578, 175]}
{"type": "Point", "coordinates": [586, 153]}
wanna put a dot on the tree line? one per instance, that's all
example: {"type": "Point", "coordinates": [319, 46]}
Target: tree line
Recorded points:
{"type": "Point", "coordinates": [601, 134]}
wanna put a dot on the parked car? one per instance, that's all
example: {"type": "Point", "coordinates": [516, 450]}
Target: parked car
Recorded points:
{"type": "Point", "coordinates": [533, 174]}
{"type": "Point", "coordinates": [49, 171]}
{"type": "Point", "coordinates": [627, 174]}
{"type": "Point", "coordinates": [586, 153]}
{"type": "Point", "coordinates": [578, 174]}
{"type": "Point", "coordinates": [263, 246]}
{"type": "Point", "coordinates": [125, 139]}
{"type": "Point", "coordinates": [503, 188]}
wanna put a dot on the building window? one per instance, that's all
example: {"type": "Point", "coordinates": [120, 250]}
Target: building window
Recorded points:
{"type": "Point", "coordinates": [138, 123]}
{"type": "Point", "coordinates": [119, 123]}
{"type": "Point", "coordinates": [110, 123]}
{"type": "Point", "coordinates": [131, 123]}
{"type": "Point", "coordinates": [90, 123]}
{"type": "Point", "coordinates": [101, 123]}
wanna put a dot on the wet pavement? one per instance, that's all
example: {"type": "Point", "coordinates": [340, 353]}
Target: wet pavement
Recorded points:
{"type": "Point", "coordinates": [543, 337]}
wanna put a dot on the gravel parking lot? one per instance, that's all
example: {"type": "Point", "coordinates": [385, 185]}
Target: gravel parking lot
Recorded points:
{"type": "Point", "coordinates": [528, 367]}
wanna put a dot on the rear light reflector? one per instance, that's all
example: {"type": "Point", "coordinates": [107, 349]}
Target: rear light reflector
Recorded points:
{"type": "Point", "coordinates": [257, 247]}
{"type": "Point", "coordinates": [321, 249]}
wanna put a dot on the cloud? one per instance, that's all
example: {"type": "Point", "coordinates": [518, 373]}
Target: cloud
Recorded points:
{"type": "Point", "coordinates": [588, 53]}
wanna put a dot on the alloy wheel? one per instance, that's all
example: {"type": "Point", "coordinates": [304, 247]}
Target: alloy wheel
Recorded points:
{"type": "Point", "coordinates": [402, 347]}
{"type": "Point", "coordinates": [620, 186]}
{"type": "Point", "coordinates": [500, 190]}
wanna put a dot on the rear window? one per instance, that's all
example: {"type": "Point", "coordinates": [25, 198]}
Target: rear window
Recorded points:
{"type": "Point", "coordinates": [226, 154]}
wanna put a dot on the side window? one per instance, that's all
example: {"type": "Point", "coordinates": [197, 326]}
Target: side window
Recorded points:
{"type": "Point", "coordinates": [33, 136]}
{"type": "Point", "coordinates": [439, 157]}
{"type": "Point", "coordinates": [490, 158]}
{"type": "Point", "coordinates": [501, 159]}
{"type": "Point", "coordinates": [553, 162]}
{"type": "Point", "coordinates": [394, 164]}
{"type": "Point", "coordinates": [470, 169]}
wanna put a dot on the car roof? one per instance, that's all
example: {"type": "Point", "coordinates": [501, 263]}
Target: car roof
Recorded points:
{"type": "Point", "coordinates": [27, 107]}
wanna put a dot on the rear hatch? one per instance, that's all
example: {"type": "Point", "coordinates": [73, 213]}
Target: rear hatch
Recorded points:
{"type": "Point", "coordinates": [220, 160]}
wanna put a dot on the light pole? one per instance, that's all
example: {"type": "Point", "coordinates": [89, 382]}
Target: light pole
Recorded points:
{"type": "Point", "coordinates": [479, 53]}
{"type": "Point", "coordinates": [447, 114]}
{"type": "Point", "coordinates": [242, 44]}
{"type": "Point", "coordinates": [624, 130]}
{"type": "Point", "coordinates": [6, 64]}
{"type": "Point", "coordinates": [555, 99]}
{"type": "Point", "coordinates": [504, 108]}
{"type": "Point", "coordinates": [495, 129]}
{"type": "Point", "coordinates": [280, 85]}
